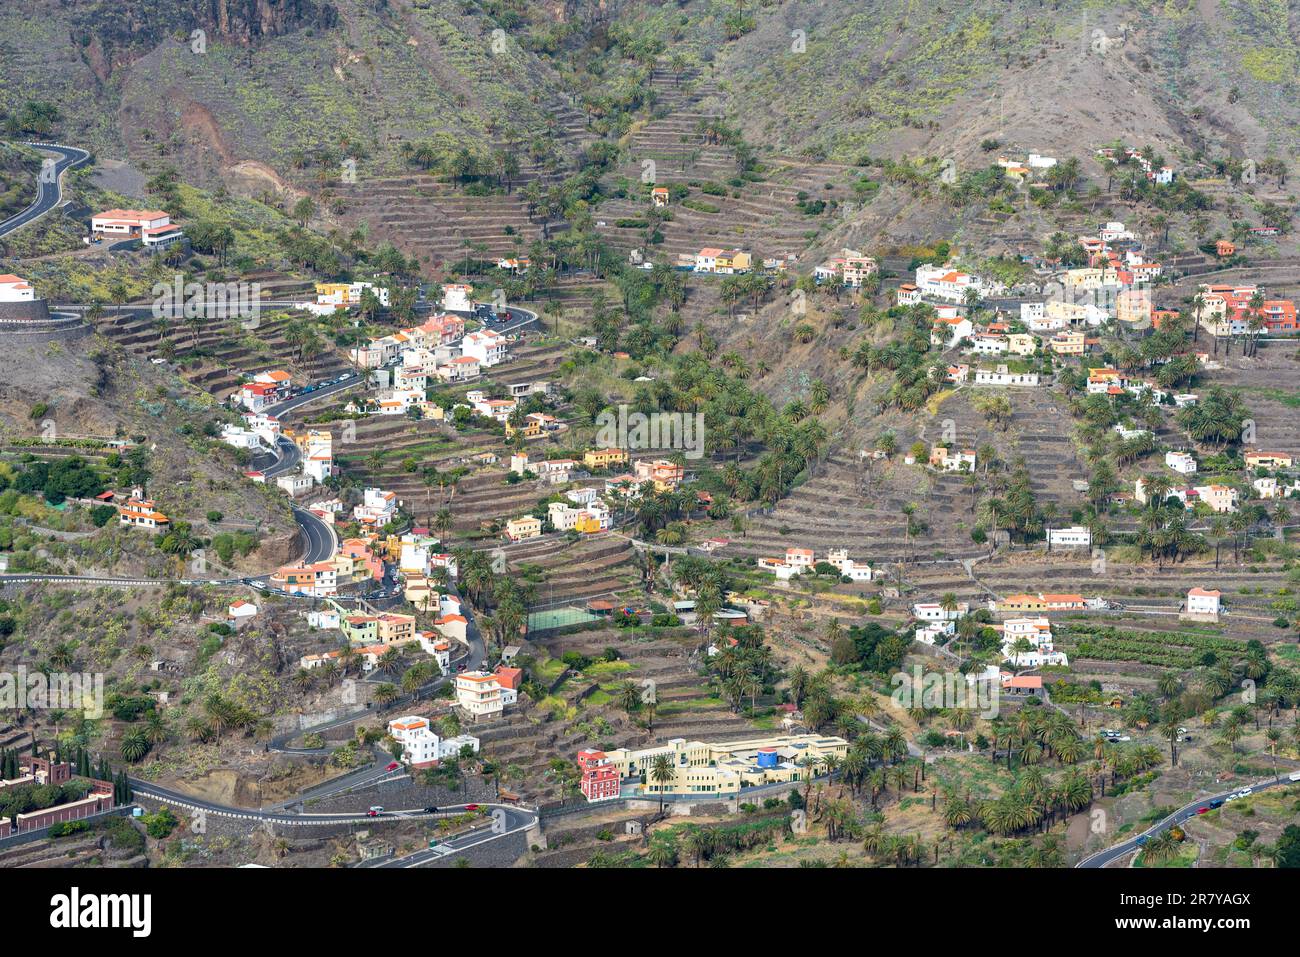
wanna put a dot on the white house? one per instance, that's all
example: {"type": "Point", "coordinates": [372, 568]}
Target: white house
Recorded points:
{"type": "Point", "coordinates": [1001, 377]}
{"type": "Point", "coordinates": [15, 289]}
{"type": "Point", "coordinates": [1076, 536]}
{"type": "Point", "coordinates": [240, 438]}
{"type": "Point", "coordinates": [952, 460]}
{"type": "Point", "coordinates": [1112, 232]}
{"type": "Point", "coordinates": [1038, 633]}
{"type": "Point", "coordinates": [797, 561]}
{"type": "Point", "coordinates": [854, 571]}
{"type": "Point", "coordinates": [326, 618]}
{"type": "Point", "coordinates": [377, 507]}
{"type": "Point", "coordinates": [582, 496]}
{"type": "Point", "coordinates": [421, 747]}
{"type": "Point", "coordinates": [318, 455]}
{"type": "Point", "coordinates": [139, 512]}
{"type": "Point", "coordinates": [1265, 487]}
{"type": "Point", "coordinates": [950, 329]}
{"type": "Point", "coordinates": [932, 632]}
{"type": "Point", "coordinates": [1203, 601]}
{"type": "Point", "coordinates": [988, 344]}
{"type": "Point", "coordinates": [241, 611]}
{"type": "Point", "coordinates": [478, 693]}
{"type": "Point", "coordinates": [949, 285]}
{"type": "Point", "coordinates": [908, 294]}
{"type": "Point", "coordinates": [457, 297]}
{"type": "Point", "coordinates": [1181, 462]}
{"type": "Point", "coordinates": [295, 485]}
{"type": "Point", "coordinates": [934, 611]}
{"type": "Point", "coordinates": [152, 227]}
{"type": "Point", "coordinates": [488, 347]}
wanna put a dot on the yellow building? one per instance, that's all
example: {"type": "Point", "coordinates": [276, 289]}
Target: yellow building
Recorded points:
{"type": "Point", "coordinates": [587, 523]}
{"type": "Point", "coordinates": [1022, 604]}
{"type": "Point", "coordinates": [723, 768]}
{"type": "Point", "coordinates": [1133, 305]}
{"type": "Point", "coordinates": [604, 458]}
{"type": "Point", "coordinates": [1276, 460]}
{"type": "Point", "coordinates": [339, 292]}
{"type": "Point", "coordinates": [1069, 344]}
{"type": "Point", "coordinates": [1021, 344]}
{"type": "Point", "coordinates": [392, 628]}
{"type": "Point", "coordinates": [517, 529]}
{"type": "Point", "coordinates": [532, 429]}
{"type": "Point", "coordinates": [733, 260]}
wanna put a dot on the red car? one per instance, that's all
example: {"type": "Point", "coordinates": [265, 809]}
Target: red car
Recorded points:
{"type": "Point", "coordinates": [471, 807]}
{"type": "Point", "coordinates": [392, 767]}
{"type": "Point", "coordinates": [372, 814]}
{"type": "Point", "coordinates": [1202, 810]}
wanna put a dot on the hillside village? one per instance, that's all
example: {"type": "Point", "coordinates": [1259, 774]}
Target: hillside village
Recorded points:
{"type": "Point", "coordinates": [510, 502]}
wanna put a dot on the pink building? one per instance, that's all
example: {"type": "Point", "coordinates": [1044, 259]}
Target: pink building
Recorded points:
{"type": "Point", "coordinates": [600, 780]}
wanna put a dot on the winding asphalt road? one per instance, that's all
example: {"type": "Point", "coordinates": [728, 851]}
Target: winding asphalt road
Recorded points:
{"type": "Point", "coordinates": [319, 539]}
{"type": "Point", "coordinates": [507, 819]}
{"type": "Point", "coordinates": [49, 190]}
{"type": "Point", "coordinates": [320, 544]}
{"type": "Point", "coordinates": [176, 799]}
{"type": "Point", "coordinates": [1185, 813]}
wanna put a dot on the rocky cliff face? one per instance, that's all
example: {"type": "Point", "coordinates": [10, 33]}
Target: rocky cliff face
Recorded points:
{"type": "Point", "coordinates": [114, 32]}
{"type": "Point", "coordinates": [246, 21]}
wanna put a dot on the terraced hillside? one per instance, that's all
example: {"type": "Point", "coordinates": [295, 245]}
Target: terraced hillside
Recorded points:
{"type": "Point", "coordinates": [568, 304]}
{"type": "Point", "coordinates": [212, 354]}
{"type": "Point", "coordinates": [563, 573]}
{"type": "Point", "coordinates": [858, 503]}
{"type": "Point", "coordinates": [580, 711]}
{"type": "Point", "coordinates": [761, 216]}
{"type": "Point", "coordinates": [686, 706]}
{"type": "Point", "coordinates": [429, 218]}
{"type": "Point", "coordinates": [835, 509]}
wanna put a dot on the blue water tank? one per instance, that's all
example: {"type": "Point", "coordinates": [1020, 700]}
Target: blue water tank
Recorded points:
{"type": "Point", "coordinates": [767, 758]}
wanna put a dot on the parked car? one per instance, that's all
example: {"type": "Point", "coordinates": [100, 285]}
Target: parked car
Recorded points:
{"type": "Point", "coordinates": [376, 809]}
{"type": "Point", "coordinates": [392, 767]}
{"type": "Point", "coordinates": [471, 807]}
{"type": "Point", "coordinates": [432, 809]}
{"type": "Point", "coordinates": [1217, 802]}
{"type": "Point", "coordinates": [1203, 809]}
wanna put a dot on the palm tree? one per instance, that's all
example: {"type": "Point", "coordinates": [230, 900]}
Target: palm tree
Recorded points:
{"type": "Point", "coordinates": [662, 774]}
{"type": "Point", "coordinates": [662, 854]}
{"type": "Point", "coordinates": [628, 696]}
{"type": "Point", "coordinates": [135, 745]}
{"type": "Point", "coordinates": [156, 730]}
{"type": "Point", "coordinates": [699, 843]}
{"type": "Point", "coordinates": [1160, 848]}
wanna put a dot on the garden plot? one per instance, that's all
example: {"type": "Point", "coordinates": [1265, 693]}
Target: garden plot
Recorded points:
{"type": "Point", "coordinates": [687, 707]}
{"type": "Point", "coordinates": [213, 353]}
